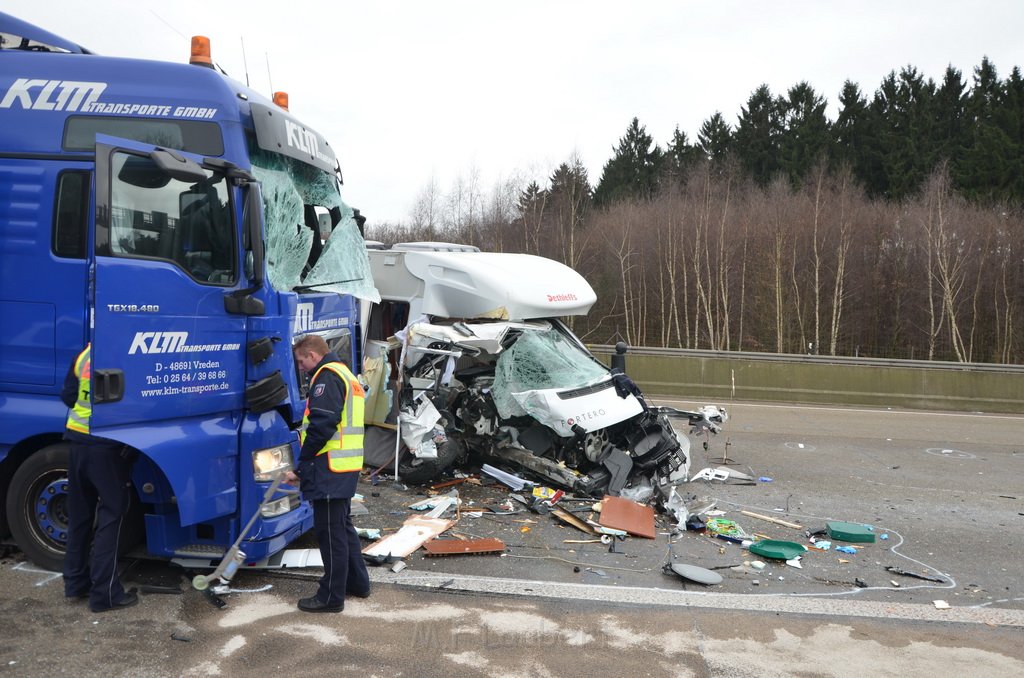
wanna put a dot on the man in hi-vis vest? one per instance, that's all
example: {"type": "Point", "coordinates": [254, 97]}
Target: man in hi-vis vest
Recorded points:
{"type": "Point", "coordinates": [330, 460]}
{"type": "Point", "coordinates": [99, 488]}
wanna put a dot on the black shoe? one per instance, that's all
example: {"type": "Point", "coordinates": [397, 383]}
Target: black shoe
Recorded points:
{"type": "Point", "coordinates": [76, 596]}
{"type": "Point", "coordinates": [130, 598]}
{"type": "Point", "coordinates": [358, 594]}
{"type": "Point", "coordinates": [313, 604]}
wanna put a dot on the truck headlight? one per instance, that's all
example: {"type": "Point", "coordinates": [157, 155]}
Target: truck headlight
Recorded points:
{"type": "Point", "coordinates": [269, 462]}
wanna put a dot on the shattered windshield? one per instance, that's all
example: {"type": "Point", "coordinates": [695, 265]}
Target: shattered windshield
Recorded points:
{"type": "Point", "coordinates": [299, 255]}
{"type": "Point", "coordinates": [544, 359]}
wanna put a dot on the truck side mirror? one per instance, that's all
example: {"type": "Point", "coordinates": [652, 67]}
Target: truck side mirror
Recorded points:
{"type": "Point", "coordinates": [252, 218]}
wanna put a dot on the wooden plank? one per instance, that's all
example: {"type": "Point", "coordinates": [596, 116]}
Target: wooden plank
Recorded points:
{"type": "Point", "coordinates": [623, 514]}
{"type": "Point", "coordinates": [770, 519]}
{"type": "Point", "coordinates": [454, 547]}
{"type": "Point", "coordinates": [569, 518]}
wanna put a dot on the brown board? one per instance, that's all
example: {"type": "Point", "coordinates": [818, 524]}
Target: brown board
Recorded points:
{"type": "Point", "coordinates": [623, 514]}
{"type": "Point", "coordinates": [455, 547]}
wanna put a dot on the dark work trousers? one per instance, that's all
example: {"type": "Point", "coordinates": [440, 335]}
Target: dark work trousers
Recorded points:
{"type": "Point", "coordinates": [98, 489]}
{"type": "Point", "coordinates": [344, 569]}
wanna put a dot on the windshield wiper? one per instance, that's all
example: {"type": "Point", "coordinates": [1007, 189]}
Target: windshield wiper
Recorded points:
{"type": "Point", "coordinates": [306, 288]}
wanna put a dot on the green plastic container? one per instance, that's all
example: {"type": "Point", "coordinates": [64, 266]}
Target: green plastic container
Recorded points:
{"type": "Point", "coordinates": [779, 550]}
{"type": "Point", "coordinates": [851, 532]}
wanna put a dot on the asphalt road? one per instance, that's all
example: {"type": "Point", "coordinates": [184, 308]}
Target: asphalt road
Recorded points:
{"type": "Point", "coordinates": [948, 489]}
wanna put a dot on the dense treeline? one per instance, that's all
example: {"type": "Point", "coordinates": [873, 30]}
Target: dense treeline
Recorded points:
{"type": "Point", "coordinates": [894, 231]}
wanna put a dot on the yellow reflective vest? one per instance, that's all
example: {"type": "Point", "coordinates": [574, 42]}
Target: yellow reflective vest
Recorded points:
{"type": "Point", "coordinates": [78, 416]}
{"type": "Point", "coordinates": [345, 448]}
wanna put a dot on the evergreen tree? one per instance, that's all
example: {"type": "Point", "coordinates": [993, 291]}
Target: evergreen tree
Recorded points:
{"type": "Point", "coordinates": [805, 134]}
{"type": "Point", "coordinates": [853, 139]}
{"type": "Point", "coordinates": [715, 138]}
{"type": "Point", "coordinates": [950, 128]}
{"type": "Point", "coordinates": [680, 156]}
{"type": "Point", "coordinates": [758, 135]}
{"type": "Point", "coordinates": [991, 163]}
{"type": "Point", "coordinates": [570, 198]}
{"type": "Point", "coordinates": [633, 171]}
{"type": "Point", "coordinates": [904, 110]}
{"type": "Point", "coordinates": [1012, 122]}
{"type": "Point", "coordinates": [570, 192]}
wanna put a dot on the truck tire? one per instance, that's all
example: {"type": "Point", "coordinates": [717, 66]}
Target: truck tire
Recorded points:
{"type": "Point", "coordinates": [37, 506]}
{"type": "Point", "coordinates": [418, 471]}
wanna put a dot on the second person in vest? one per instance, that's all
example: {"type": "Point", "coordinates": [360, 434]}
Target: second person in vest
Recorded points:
{"type": "Point", "coordinates": [330, 460]}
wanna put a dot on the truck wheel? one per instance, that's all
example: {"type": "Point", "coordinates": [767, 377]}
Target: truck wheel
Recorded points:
{"type": "Point", "coordinates": [37, 506]}
{"type": "Point", "coordinates": [418, 471]}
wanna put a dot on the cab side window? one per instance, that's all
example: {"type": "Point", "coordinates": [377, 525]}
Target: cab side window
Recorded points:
{"type": "Point", "coordinates": [155, 216]}
{"type": "Point", "coordinates": [71, 215]}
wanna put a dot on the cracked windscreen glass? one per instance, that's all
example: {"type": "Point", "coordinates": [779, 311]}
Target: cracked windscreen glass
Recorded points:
{"type": "Point", "coordinates": [538, 360]}
{"type": "Point", "coordinates": [293, 193]}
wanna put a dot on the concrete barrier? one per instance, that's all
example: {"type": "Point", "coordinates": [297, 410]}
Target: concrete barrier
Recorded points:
{"type": "Point", "coordinates": [718, 376]}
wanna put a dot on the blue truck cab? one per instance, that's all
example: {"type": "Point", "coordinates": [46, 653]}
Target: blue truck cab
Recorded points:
{"type": "Point", "coordinates": [190, 229]}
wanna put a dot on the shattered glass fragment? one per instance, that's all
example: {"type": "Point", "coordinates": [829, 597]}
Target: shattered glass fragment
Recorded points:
{"type": "Point", "coordinates": [288, 187]}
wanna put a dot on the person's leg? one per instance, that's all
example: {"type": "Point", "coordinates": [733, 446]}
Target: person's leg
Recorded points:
{"type": "Point", "coordinates": [357, 583]}
{"type": "Point", "coordinates": [81, 507]}
{"type": "Point", "coordinates": [328, 520]}
{"type": "Point", "coordinates": [111, 474]}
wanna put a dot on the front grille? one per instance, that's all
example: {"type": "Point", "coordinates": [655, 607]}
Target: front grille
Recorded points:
{"type": "Point", "coordinates": [585, 390]}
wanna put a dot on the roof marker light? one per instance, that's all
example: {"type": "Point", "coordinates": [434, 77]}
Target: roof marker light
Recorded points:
{"type": "Point", "coordinates": [281, 99]}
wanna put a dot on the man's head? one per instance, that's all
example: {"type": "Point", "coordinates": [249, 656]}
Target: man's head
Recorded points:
{"type": "Point", "coordinates": [309, 351]}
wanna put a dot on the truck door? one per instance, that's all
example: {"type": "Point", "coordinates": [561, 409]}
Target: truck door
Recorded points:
{"type": "Point", "coordinates": [166, 252]}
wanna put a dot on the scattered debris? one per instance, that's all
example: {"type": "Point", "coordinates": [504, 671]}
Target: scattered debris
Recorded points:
{"type": "Point", "coordinates": [941, 605]}
{"type": "Point", "coordinates": [451, 547]}
{"type": "Point", "coordinates": [771, 519]}
{"type": "Point", "coordinates": [371, 533]}
{"type": "Point", "coordinates": [851, 532]}
{"type": "Point", "coordinates": [693, 573]}
{"type": "Point", "coordinates": [413, 533]}
{"type": "Point", "coordinates": [846, 549]}
{"type": "Point", "coordinates": [722, 474]}
{"type": "Point", "coordinates": [623, 514]}
{"type": "Point", "coordinates": [570, 519]}
{"type": "Point", "coordinates": [915, 575]}
{"type": "Point", "coordinates": [777, 549]}
{"type": "Point", "coordinates": [513, 481]}
{"type": "Point", "coordinates": [724, 527]}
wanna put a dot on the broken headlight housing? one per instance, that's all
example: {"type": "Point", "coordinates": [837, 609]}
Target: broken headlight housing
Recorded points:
{"type": "Point", "coordinates": [268, 462]}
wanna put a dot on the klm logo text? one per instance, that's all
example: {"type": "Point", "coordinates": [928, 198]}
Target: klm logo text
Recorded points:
{"type": "Point", "coordinates": [52, 95]}
{"type": "Point", "coordinates": [158, 342]}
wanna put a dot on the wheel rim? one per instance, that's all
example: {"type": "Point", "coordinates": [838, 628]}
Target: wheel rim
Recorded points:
{"type": "Point", "coordinates": [49, 503]}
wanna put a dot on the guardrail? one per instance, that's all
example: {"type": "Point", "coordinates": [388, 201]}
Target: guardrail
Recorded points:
{"type": "Point", "coordinates": [915, 384]}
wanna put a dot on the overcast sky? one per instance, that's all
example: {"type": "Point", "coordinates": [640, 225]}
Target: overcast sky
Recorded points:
{"type": "Point", "coordinates": [413, 91]}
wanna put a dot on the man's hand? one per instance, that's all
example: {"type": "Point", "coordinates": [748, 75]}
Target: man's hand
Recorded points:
{"type": "Point", "coordinates": [290, 477]}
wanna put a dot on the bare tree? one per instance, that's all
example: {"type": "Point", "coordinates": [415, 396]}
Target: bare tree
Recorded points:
{"type": "Point", "coordinates": [425, 212]}
{"type": "Point", "coordinates": [842, 249]}
{"type": "Point", "coordinates": [947, 258]}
